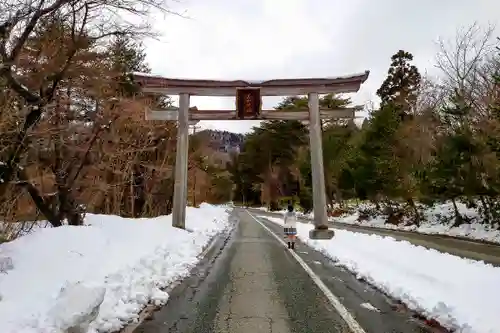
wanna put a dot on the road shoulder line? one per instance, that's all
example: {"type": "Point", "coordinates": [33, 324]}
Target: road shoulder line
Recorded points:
{"type": "Point", "coordinates": [334, 301]}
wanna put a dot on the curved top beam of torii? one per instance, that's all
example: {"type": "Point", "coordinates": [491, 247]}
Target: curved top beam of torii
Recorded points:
{"type": "Point", "coordinates": [276, 87]}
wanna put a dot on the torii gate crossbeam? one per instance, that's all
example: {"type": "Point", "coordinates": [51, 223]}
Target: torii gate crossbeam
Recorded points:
{"type": "Point", "coordinates": [248, 99]}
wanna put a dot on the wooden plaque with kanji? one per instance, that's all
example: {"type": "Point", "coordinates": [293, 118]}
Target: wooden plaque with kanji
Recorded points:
{"type": "Point", "coordinates": [248, 103]}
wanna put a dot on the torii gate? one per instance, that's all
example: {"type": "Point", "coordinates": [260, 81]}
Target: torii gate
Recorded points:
{"type": "Point", "coordinates": [249, 107]}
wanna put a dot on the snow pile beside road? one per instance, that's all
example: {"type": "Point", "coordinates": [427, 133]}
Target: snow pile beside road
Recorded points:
{"type": "Point", "coordinates": [461, 294]}
{"type": "Point", "coordinates": [473, 230]}
{"type": "Point", "coordinates": [438, 220]}
{"type": "Point", "coordinates": [101, 275]}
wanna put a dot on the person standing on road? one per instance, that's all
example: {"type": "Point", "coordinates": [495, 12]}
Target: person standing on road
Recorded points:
{"type": "Point", "coordinates": [290, 226]}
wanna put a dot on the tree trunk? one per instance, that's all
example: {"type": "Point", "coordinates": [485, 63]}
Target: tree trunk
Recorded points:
{"type": "Point", "coordinates": [68, 207]}
{"type": "Point", "coordinates": [486, 209]}
{"type": "Point", "coordinates": [42, 205]}
{"type": "Point", "coordinates": [458, 217]}
{"type": "Point", "coordinates": [377, 203]}
{"type": "Point", "coordinates": [388, 208]}
{"type": "Point", "coordinates": [170, 202]}
{"type": "Point", "coordinates": [329, 195]}
{"type": "Point", "coordinates": [338, 196]}
{"type": "Point", "coordinates": [74, 215]}
{"type": "Point", "coordinates": [194, 188]}
{"type": "Point", "coordinates": [139, 193]}
{"type": "Point", "coordinates": [415, 211]}
{"type": "Point", "coordinates": [132, 193]}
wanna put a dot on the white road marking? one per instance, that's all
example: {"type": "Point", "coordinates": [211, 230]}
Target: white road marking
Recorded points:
{"type": "Point", "coordinates": [341, 309]}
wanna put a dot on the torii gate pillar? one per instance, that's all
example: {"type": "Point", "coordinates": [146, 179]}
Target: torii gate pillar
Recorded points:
{"type": "Point", "coordinates": [181, 164]}
{"type": "Point", "coordinates": [321, 230]}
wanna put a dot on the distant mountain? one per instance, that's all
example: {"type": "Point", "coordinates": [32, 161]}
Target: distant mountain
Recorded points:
{"type": "Point", "coordinates": [223, 141]}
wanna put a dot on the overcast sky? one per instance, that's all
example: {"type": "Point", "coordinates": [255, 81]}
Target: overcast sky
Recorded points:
{"type": "Point", "coordinates": [265, 39]}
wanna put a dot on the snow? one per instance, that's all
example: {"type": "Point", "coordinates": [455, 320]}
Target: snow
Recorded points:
{"type": "Point", "coordinates": [369, 306]}
{"type": "Point", "coordinates": [461, 294]}
{"type": "Point", "coordinates": [148, 74]}
{"type": "Point", "coordinates": [67, 313]}
{"type": "Point", "coordinates": [437, 220]}
{"type": "Point", "coordinates": [99, 276]}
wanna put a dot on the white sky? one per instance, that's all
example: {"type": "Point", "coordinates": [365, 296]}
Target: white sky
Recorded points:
{"type": "Point", "coordinates": [264, 39]}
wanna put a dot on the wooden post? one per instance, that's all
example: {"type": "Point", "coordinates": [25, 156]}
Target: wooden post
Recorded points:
{"type": "Point", "coordinates": [194, 174]}
{"type": "Point", "coordinates": [320, 230]}
{"type": "Point", "coordinates": [181, 164]}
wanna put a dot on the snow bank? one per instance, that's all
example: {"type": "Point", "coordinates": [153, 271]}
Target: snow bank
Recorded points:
{"type": "Point", "coordinates": [461, 294]}
{"type": "Point", "coordinates": [436, 220]}
{"type": "Point", "coordinates": [114, 263]}
{"type": "Point", "coordinates": [69, 315]}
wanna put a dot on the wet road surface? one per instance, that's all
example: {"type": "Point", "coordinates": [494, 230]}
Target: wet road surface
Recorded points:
{"type": "Point", "coordinates": [487, 252]}
{"type": "Point", "coordinates": [250, 283]}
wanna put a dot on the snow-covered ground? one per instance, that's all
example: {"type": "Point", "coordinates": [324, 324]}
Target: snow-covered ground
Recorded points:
{"type": "Point", "coordinates": [54, 278]}
{"type": "Point", "coordinates": [461, 294]}
{"type": "Point", "coordinates": [436, 220]}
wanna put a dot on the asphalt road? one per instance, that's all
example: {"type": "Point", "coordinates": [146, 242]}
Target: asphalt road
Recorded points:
{"type": "Point", "coordinates": [250, 283]}
{"type": "Point", "coordinates": [487, 252]}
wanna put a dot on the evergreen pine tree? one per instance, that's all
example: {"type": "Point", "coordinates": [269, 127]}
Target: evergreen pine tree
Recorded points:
{"type": "Point", "coordinates": [401, 86]}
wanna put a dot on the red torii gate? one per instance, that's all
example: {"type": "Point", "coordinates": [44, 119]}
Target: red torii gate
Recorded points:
{"type": "Point", "coordinates": [249, 107]}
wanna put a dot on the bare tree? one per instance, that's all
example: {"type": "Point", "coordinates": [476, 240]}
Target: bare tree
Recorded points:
{"type": "Point", "coordinates": [466, 65]}
{"type": "Point", "coordinates": [41, 42]}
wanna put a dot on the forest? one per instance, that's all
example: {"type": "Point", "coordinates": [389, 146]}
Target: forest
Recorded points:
{"type": "Point", "coordinates": [431, 140]}
{"type": "Point", "coordinates": [73, 136]}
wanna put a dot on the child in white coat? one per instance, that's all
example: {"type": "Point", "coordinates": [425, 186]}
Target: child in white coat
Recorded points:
{"type": "Point", "coordinates": [290, 226]}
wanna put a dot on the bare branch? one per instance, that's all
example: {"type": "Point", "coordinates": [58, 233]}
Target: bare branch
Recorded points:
{"type": "Point", "coordinates": [463, 64]}
{"type": "Point", "coordinates": [37, 14]}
